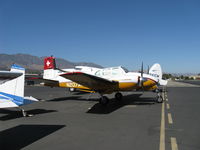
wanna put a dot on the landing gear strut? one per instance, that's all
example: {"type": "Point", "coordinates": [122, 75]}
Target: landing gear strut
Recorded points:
{"type": "Point", "coordinates": [24, 113]}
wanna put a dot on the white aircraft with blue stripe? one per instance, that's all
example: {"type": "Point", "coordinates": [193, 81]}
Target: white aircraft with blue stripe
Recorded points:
{"type": "Point", "coordinates": [12, 89]}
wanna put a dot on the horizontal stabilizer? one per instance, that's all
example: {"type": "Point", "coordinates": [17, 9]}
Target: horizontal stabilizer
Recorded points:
{"type": "Point", "coordinates": [8, 100]}
{"type": "Point", "coordinates": [29, 100]}
{"type": "Point", "coordinates": [4, 103]}
{"type": "Point", "coordinates": [8, 75]}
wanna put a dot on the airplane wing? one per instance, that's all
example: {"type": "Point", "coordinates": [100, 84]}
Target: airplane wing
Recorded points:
{"type": "Point", "coordinates": [93, 82]}
{"type": "Point", "coordinates": [8, 75]}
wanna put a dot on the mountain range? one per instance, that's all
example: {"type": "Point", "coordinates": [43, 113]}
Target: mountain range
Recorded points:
{"type": "Point", "coordinates": [34, 64]}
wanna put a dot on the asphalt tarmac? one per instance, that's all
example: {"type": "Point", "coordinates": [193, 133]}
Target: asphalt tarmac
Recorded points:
{"type": "Point", "coordinates": [74, 121]}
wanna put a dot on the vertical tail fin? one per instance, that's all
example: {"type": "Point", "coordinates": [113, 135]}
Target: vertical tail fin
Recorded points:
{"type": "Point", "coordinates": [49, 68]}
{"type": "Point", "coordinates": [15, 86]}
{"type": "Point", "coordinates": [12, 90]}
{"type": "Point", "coordinates": [156, 71]}
{"type": "Point", "coordinates": [49, 63]}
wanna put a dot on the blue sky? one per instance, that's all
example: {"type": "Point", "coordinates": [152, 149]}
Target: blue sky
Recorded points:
{"type": "Point", "coordinates": [106, 32]}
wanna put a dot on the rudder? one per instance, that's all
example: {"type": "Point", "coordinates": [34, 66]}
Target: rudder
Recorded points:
{"type": "Point", "coordinates": [49, 68]}
{"type": "Point", "coordinates": [49, 63]}
{"type": "Point", "coordinates": [156, 71]}
{"type": "Point", "coordinates": [15, 86]}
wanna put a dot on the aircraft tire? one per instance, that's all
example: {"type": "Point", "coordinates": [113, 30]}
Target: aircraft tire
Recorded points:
{"type": "Point", "coordinates": [118, 96]}
{"type": "Point", "coordinates": [103, 100]}
{"type": "Point", "coordinates": [159, 99]}
{"type": "Point", "coordinates": [72, 89]}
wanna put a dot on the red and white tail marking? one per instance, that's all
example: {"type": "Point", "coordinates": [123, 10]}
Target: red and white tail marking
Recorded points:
{"type": "Point", "coordinates": [49, 63]}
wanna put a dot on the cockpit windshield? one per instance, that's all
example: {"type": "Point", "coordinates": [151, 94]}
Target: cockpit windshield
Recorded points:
{"type": "Point", "coordinates": [113, 71]}
{"type": "Point", "coordinates": [125, 69]}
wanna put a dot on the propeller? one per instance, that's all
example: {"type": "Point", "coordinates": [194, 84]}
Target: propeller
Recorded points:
{"type": "Point", "coordinates": [141, 79]}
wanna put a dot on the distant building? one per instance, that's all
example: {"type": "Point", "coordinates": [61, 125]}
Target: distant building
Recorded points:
{"type": "Point", "coordinates": [197, 77]}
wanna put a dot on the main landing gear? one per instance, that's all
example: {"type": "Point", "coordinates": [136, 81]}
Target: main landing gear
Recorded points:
{"type": "Point", "coordinates": [118, 96]}
{"type": "Point", "coordinates": [104, 99]}
{"type": "Point", "coordinates": [24, 113]}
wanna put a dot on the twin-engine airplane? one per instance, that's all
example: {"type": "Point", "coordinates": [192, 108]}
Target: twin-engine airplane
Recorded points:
{"type": "Point", "coordinates": [104, 81]}
{"type": "Point", "coordinates": [12, 89]}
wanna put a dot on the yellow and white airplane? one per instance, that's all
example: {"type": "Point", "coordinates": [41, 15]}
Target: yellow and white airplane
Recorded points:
{"type": "Point", "coordinates": [104, 81]}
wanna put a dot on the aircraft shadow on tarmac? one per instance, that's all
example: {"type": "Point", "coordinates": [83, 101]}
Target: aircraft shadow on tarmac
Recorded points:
{"type": "Point", "coordinates": [113, 105]}
{"type": "Point", "coordinates": [64, 98]}
{"type": "Point", "coordinates": [13, 114]}
{"type": "Point", "coordinates": [127, 100]}
{"type": "Point", "coordinates": [23, 135]}
{"type": "Point", "coordinates": [79, 93]}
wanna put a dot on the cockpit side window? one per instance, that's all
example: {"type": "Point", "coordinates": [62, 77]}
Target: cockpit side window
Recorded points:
{"type": "Point", "coordinates": [115, 71]}
{"type": "Point", "coordinates": [107, 72]}
{"type": "Point", "coordinates": [98, 73]}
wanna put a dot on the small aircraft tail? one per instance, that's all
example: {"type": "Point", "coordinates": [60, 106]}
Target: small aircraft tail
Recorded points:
{"type": "Point", "coordinates": [49, 68]}
{"type": "Point", "coordinates": [14, 86]}
{"type": "Point", "coordinates": [12, 91]}
{"type": "Point", "coordinates": [156, 71]}
{"type": "Point", "coordinates": [49, 63]}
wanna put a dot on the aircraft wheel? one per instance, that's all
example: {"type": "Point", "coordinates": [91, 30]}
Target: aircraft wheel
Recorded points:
{"type": "Point", "coordinates": [159, 99]}
{"type": "Point", "coordinates": [118, 96]}
{"type": "Point", "coordinates": [104, 100]}
{"type": "Point", "coordinates": [72, 89]}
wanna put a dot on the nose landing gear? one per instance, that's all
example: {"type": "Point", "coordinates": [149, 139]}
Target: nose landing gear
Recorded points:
{"type": "Point", "coordinates": [159, 98]}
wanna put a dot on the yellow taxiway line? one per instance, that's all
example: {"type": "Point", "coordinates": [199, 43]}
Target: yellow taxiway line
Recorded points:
{"type": "Point", "coordinates": [170, 118]}
{"type": "Point", "coordinates": [168, 107]}
{"type": "Point", "coordinates": [162, 128]}
{"type": "Point", "coordinates": [174, 144]}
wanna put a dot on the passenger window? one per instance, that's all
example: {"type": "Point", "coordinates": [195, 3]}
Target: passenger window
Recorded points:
{"type": "Point", "coordinates": [107, 72]}
{"type": "Point", "coordinates": [98, 73]}
{"type": "Point", "coordinates": [115, 72]}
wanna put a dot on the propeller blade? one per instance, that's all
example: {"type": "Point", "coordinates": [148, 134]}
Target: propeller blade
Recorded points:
{"type": "Point", "coordinates": [142, 70]}
{"type": "Point", "coordinates": [141, 77]}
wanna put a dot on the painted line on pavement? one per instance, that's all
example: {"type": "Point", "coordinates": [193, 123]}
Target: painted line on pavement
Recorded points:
{"type": "Point", "coordinates": [162, 128]}
{"type": "Point", "coordinates": [170, 121]}
{"type": "Point", "coordinates": [174, 143]}
{"type": "Point", "coordinates": [168, 107]}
